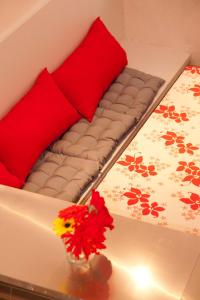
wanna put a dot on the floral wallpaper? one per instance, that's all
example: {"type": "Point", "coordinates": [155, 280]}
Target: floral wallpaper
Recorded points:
{"type": "Point", "coordinates": [157, 178]}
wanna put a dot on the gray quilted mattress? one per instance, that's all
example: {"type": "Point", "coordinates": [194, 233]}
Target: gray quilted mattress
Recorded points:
{"type": "Point", "coordinates": [73, 161]}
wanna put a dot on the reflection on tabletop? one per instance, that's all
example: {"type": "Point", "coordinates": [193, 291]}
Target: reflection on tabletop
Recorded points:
{"type": "Point", "coordinates": [93, 284]}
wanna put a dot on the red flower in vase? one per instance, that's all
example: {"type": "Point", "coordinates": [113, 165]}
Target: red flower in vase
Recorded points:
{"type": "Point", "coordinates": [100, 212]}
{"type": "Point", "coordinates": [88, 236]}
{"type": "Point", "coordinates": [77, 212]}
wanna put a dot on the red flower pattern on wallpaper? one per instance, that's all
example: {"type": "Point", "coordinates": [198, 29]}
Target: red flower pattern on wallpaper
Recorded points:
{"type": "Point", "coordinates": [193, 201]}
{"type": "Point", "coordinates": [136, 164]}
{"type": "Point", "coordinates": [191, 170]}
{"type": "Point", "coordinates": [152, 209]}
{"type": "Point", "coordinates": [193, 69]}
{"type": "Point", "coordinates": [196, 90]}
{"type": "Point", "coordinates": [172, 138]}
{"type": "Point", "coordinates": [169, 112]}
{"type": "Point", "coordinates": [135, 196]}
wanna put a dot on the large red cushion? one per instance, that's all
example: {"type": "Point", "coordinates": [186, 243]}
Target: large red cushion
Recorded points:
{"type": "Point", "coordinates": [39, 118]}
{"type": "Point", "coordinates": [6, 178]}
{"type": "Point", "coordinates": [89, 70]}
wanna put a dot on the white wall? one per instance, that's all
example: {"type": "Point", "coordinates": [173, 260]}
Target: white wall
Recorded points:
{"type": "Point", "coordinates": [170, 23]}
{"type": "Point", "coordinates": [13, 13]}
{"type": "Point", "coordinates": [58, 26]}
{"type": "Point", "coordinates": [46, 39]}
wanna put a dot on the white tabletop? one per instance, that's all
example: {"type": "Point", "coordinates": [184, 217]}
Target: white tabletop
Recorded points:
{"type": "Point", "coordinates": [148, 262]}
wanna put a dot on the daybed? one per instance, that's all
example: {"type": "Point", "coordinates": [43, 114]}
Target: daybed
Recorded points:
{"type": "Point", "coordinates": [73, 161]}
{"type": "Point", "coordinates": [57, 101]}
{"type": "Point", "coordinates": [69, 164]}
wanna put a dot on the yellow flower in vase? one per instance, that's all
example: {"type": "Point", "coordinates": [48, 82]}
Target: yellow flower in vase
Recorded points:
{"type": "Point", "coordinates": [62, 226]}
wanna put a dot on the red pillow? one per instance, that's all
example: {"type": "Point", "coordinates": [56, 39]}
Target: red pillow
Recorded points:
{"type": "Point", "coordinates": [39, 118]}
{"type": "Point", "coordinates": [6, 178]}
{"type": "Point", "coordinates": [89, 70]}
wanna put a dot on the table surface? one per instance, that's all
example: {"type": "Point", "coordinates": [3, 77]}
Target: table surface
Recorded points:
{"type": "Point", "coordinates": [148, 262]}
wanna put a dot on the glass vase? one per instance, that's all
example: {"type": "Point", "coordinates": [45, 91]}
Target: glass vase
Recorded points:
{"type": "Point", "coordinates": [81, 265]}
